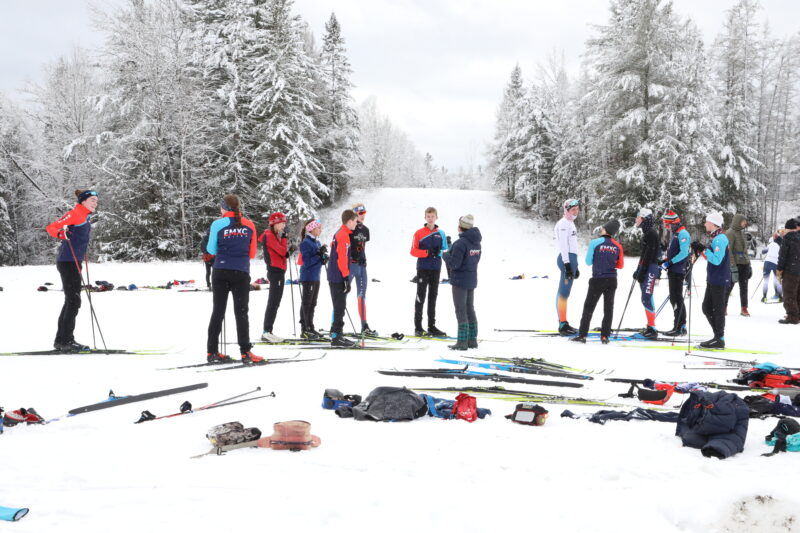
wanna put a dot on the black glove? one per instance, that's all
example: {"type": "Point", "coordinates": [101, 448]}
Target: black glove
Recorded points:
{"type": "Point", "coordinates": [347, 286]}
{"type": "Point", "coordinates": [577, 273]}
{"type": "Point", "coordinates": [449, 241]}
{"type": "Point", "coordinates": [323, 250]}
{"type": "Point", "coordinates": [636, 273]}
{"type": "Point", "coordinates": [283, 235]}
{"type": "Point", "coordinates": [434, 252]}
{"type": "Point", "coordinates": [568, 274]}
{"type": "Point", "coordinates": [292, 249]}
{"type": "Point", "coordinates": [697, 247]}
{"type": "Point", "coordinates": [324, 258]}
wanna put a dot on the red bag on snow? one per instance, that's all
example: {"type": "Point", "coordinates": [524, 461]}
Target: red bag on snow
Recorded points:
{"type": "Point", "coordinates": [466, 407]}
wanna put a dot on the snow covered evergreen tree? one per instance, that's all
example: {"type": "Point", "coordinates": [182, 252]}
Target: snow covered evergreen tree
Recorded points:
{"type": "Point", "coordinates": [504, 153]}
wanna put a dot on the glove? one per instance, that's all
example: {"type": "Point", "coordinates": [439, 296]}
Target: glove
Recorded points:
{"type": "Point", "coordinates": [292, 249]}
{"type": "Point", "coordinates": [62, 233]}
{"type": "Point", "coordinates": [323, 250]}
{"type": "Point", "coordinates": [347, 286]}
{"type": "Point", "coordinates": [449, 241]}
{"type": "Point", "coordinates": [697, 247]}
{"type": "Point", "coordinates": [283, 235]}
{"type": "Point", "coordinates": [568, 275]}
{"type": "Point", "coordinates": [434, 252]}
{"type": "Point", "coordinates": [577, 273]}
{"type": "Point", "coordinates": [665, 265]}
{"type": "Point", "coordinates": [636, 273]}
{"type": "Point", "coordinates": [324, 258]}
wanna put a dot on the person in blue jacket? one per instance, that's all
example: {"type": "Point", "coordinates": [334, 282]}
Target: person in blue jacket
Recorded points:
{"type": "Point", "coordinates": [605, 255]}
{"type": "Point", "coordinates": [463, 258]}
{"type": "Point", "coordinates": [676, 263]}
{"type": "Point", "coordinates": [313, 256]}
{"type": "Point", "coordinates": [718, 277]}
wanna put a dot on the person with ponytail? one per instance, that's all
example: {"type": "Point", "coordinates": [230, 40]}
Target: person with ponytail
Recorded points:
{"type": "Point", "coordinates": [74, 230]}
{"type": "Point", "coordinates": [276, 252]}
{"type": "Point", "coordinates": [232, 240]}
{"type": "Point", "coordinates": [313, 256]}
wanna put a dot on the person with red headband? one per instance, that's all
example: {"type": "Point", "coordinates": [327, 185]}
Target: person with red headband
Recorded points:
{"type": "Point", "coordinates": [276, 251]}
{"type": "Point", "coordinates": [74, 230]}
{"type": "Point", "coordinates": [313, 256]}
{"type": "Point", "coordinates": [675, 264]}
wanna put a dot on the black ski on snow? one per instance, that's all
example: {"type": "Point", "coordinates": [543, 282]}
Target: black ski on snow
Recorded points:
{"type": "Point", "coordinates": [518, 369]}
{"type": "Point", "coordinates": [354, 347]}
{"type": "Point", "coordinates": [114, 401]}
{"type": "Point", "coordinates": [500, 393]}
{"type": "Point", "coordinates": [722, 386]}
{"type": "Point", "coordinates": [232, 361]}
{"type": "Point", "coordinates": [531, 362]}
{"type": "Point", "coordinates": [88, 352]}
{"type": "Point", "coordinates": [265, 362]}
{"type": "Point", "coordinates": [447, 373]}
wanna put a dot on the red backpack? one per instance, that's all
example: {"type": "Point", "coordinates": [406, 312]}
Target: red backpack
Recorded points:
{"type": "Point", "coordinates": [466, 407]}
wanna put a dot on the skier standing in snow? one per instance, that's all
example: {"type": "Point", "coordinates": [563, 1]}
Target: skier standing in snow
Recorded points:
{"type": "Point", "coordinates": [339, 277]}
{"type": "Point", "coordinates": [771, 266]}
{"type": "Point", "coordinates": [232, 239]}
{"type": "Point", "coordinates": [276, 251]}
{"type": "Point", "coordinates": [74, 231]}
{"type": "Point", "coordinates": [675, 263]}
{"type": "Point", "coordinates": [567, 237]}
{"type": "Point", "coordinates": [740, 267]}
{"type": "Point", "coordinates": [605, 255]}
{"type": "Point", "coordinates": [646, 272]}
{"type": "Point", "coordinates": [718, 277]}
{"type": "Point", "coordinates": [358, 265]}
{"type": "Point", "coordinates": [427, 246]}
{"type": "Point", "coordinates": [789, 272]}
{"type": "Point", "coordinates": [463, 258]}
{"type": "Point", "coordinates": [313, 256]}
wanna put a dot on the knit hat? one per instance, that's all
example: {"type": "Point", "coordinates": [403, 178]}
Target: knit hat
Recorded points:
{"type": "Point", "coordinates": [715, 218]}
{"type": "Point", "coordinates": [466, 222]}
{"type": "Point", "coordinates": [611, 227]}
{"type": "Point", "coordinates": [85, 195]}
{"type": "Point", "coordinates": [791, 223]}
{"type": "Point", "coordinates": [671, 217]}
{"type": "Point", "coordinates": [311, 226]}
{"type": "Point", "coordinates": [276, 218]}
{"type": "Point", "coordinates": [644, 212]}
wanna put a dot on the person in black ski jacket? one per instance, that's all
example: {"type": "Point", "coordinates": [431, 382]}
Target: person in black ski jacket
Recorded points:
{"type": "Point", "coordinates": [789, 272]}
{"type": "Point", "coordinates": [463, 258]}
{"type": "Point", "coordinates": [358, 265]}
{"type": "Point", "coordinates": [208, 259]}
{"type": "Point", "coordinates": [646, 272]}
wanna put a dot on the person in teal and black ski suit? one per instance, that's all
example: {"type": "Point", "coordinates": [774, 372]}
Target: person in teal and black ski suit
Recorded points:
{"type": "Point", "coordinates": [646, 272]}
{"type": "Point", "coordinates": [676, 263]}
{"type": "Point", "coordinates": [463, 258]}
{"type": "Point", "coordinates": [718, 278]}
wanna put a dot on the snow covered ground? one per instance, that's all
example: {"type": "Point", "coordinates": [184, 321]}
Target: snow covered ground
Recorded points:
{"type": "Point", "coordinates": [100, 472]}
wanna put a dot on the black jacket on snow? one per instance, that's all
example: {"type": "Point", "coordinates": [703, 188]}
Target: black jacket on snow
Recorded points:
{"type": "Point", "coordinates": [716, 423]}
{"type": "Point", "coordinates": [387, 404]}
{"type": "Point", "coordinates": [463, 258]}
{"type": "Point", "coordinates": [789, 256]}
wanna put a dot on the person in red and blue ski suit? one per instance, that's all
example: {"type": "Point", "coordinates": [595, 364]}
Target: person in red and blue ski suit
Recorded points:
{"type": "Point", "coordinates": [646, 272]}
{"type": "Point", "coordinates": [74, 230]}
{"type": "Point", "coordinates": [427, 246]}
{"type": "Point", "coordinates": [339, 277]}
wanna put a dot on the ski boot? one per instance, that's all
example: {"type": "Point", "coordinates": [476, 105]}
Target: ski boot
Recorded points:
{"type": "Point", "coordinates": [788, 320]}
{"type": "Point", "coordinates": [565, 330]}
{"type": "Point", "coordinates": [267, 336]}
{"type": "Point", "coordinates": [675, 332]}
{"type": "Point", "coordinates": [338, 341]}
{"type": "Point", "coordinates": [579, 338]}
{"type": "Point", "coordinates": [218, 358]}
{"type": "Point", "coordinates": [367, 332]}
{"type": "Point", "coordinates": [250, 358]}
{"type": "Point", "coordinates": [433, 331]}
{"type": "Point", "coordinates": [70, 347]}
{"type": "Point", "coordinates": [310, 335]}
{"type": "Point", "coordinates": [764, 299]}
{"type": "Point", "coordinates": [604, 339]}
{"type": "Point", "coordinates": [650, 333]}
{"type": "Point", "coordinates": [461, 343]}
{"type": "Point", "coordinates": [472, 338]}
{"type": "Point", "coordinates": [745, 312]}
{"type": "Point", "coordinates": [715, 343]}
{"type": "Point", "coordinates": [419, 332]}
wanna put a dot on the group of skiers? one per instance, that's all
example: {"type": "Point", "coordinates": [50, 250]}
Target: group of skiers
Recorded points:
{"type": "Point", "coordinates": [728, 262]}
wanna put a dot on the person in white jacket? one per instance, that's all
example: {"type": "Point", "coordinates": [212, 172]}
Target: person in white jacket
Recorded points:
{"type": "Point", "coordinates": [567, 238]}
{"type": "Point", "coordinates": [771, 266]}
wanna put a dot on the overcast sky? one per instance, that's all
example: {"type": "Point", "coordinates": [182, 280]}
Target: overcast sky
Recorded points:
{"type": "Point", "coordinates": [437, 67]}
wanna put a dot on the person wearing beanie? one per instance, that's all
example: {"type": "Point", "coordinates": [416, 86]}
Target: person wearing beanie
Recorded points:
{"type": "Point", "coordinates": [358, 265]}
{"type": "Point", "coordinates": [232, 240]}
{"type": "Point", "coordinates": [646, 271]}
{"type": "Point", "coordinates": [605, 255]}
{"type": "Point", "coordinates": [276, 251]}
{"type": "Point", "coordinates": [789, 272]}
{"type": "Point", "coordinates": [74, 230]}
{"type": "Point", "coordinates": [463, 258]}
{"type": "Point", "coordinates": [740, 265]}
{"type": "Point", "coordinates": [566, 235]}
{"type": "Point", "coordinates": [339, 277]}
{"type": "Point", "coordinates": [718, 276]}
{"type": "Point", "coordinates": [675, 263]}
{"type": "Point", "coordinates": [772, 252]}
{"type": "Point", "coordinates": [427, 246]}
{"type": "Point", "coordinates": [313, 256]}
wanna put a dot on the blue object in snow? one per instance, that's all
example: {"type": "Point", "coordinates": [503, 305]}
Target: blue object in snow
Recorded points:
{"type": "Point", "coordinates": [11, 514]}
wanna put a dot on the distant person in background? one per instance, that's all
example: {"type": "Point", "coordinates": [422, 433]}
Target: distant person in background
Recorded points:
{"type": "Point", "coordinates": [718, 277]}
{"type": "Point", "coordinates": [741, 261]}
{"type": "Point", "coordinates": [463, 258]}
{"type": "Point", "coordinates": [358, 265]}
{"type": "Point", "coordinates": [427, 246]}
{"type": "Point", "coordinates": [208, 259]}
{"type": "Point", "coordinates": [676, 263]}
{"type": "Point", "coordinates": [74, 231]}
{"type": "Point", "coordinates": [276, 252]}
{"type": "Point", "coordinates": [605, 256]}
{"type": "Point", "coordinates": [789, 272]}
{"type": "Point", "coordinates": [313, 256]}
{"type": "Point", "coordinates": [771, 266]}
{"type": "Point", "coordinates": [566, 235]}
{"type": "Point", "coordinates": [646, 271]}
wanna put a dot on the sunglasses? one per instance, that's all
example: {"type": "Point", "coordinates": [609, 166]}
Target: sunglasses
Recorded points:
{"type": "Point", "coordinates": [361, 211]}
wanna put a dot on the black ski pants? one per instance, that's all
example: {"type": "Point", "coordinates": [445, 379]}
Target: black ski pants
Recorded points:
{"type": "Point", "coordinates": [308, 303]}
{"type": "Point", "coordinates": [714, 308]}
{"type": "Point", "coordinates": [427, 282]}
{"type": "Point", "coordinates": [209, 265]}
{"type": "Point", "coordinates": [237, 283]}
{"type": "Point", "coordinates": [339, 300]}
{"type": "Point", "coordinates": [276, 278]}
{"type": "Point", "coordinates": [791, 295]}
{"type": "Point", "coordinates": [71, 282]}
{"type": "Point", "coordinates": [605, 287]}
{"type": "Point", "coordinates": [745, 273]}
{"type": "Point", "coordinates": [676, 298]}
{"type": "Point", "coordinates": [464, 301]}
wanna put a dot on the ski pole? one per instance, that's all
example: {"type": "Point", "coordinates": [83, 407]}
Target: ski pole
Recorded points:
{"type": "Point", "coordinates": [92, 314]}
{"type": "Point", "coordinates": [619, 326]}
{"type": "Point", "coordinates": [664, 303]}
{"type": "Point", "coordinates": [353, 325]}
{"type": "Point", "coordinates": [291, 290]}
{"type": "Point", "coordinates": [757, 286]}
{"type": "Point", "coordinates": [689, 312]}
{"type": "Point", "coordinates": [89, 283]}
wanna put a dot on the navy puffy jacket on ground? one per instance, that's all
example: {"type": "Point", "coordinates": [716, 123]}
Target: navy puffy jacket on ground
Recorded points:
{"type": "Point", "coordinates": [716, 423]}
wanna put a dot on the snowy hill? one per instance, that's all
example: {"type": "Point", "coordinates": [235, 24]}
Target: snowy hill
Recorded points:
{"type": "Point", "coordinates": [100, 472]}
